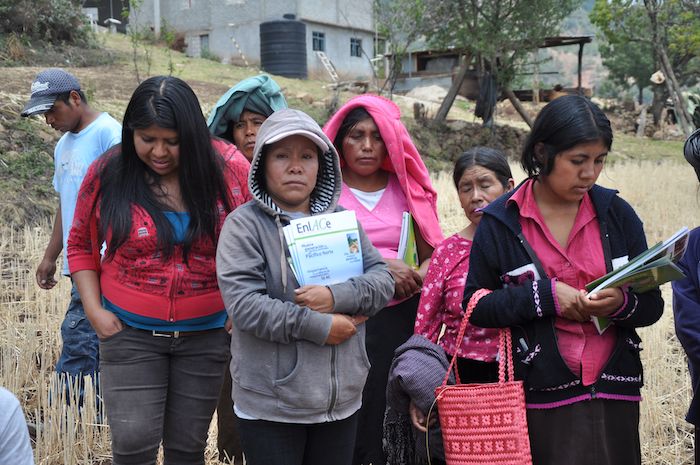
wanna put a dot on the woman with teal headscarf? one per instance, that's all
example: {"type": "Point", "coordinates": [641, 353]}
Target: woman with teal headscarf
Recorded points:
{"type": "Point", "coordinates": [236, 117]}
{"type": "Point", "coordinates": [239, 113]}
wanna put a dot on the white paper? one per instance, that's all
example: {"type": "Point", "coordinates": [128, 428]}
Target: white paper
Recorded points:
{"type": "Point", "coordinates": [325, 249]}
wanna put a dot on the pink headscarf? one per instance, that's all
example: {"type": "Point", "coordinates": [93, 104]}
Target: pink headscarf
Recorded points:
{"type": "Point", "coordinates": [403, 160]}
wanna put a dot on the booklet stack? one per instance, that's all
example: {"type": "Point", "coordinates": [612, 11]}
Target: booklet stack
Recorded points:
{"type": "Point", "coordinates": [408, 251]}
{"type": "Point", "coordinates": [648, 270]}
{"type": "Point", "coordinates": [324, 249]}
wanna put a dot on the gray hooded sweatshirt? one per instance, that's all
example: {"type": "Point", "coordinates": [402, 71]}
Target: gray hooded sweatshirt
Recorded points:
{"type": "Point", "coordinates": [282, 371]}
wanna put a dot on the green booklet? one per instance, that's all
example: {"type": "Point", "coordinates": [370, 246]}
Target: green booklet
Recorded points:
{"type": "Point", "coordinates": [646, 271]}
{"type": "Point", "coordinates": [408, 251]}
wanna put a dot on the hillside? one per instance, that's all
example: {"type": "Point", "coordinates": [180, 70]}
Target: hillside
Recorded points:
{"type": "Point", "coordinates": [26, 144]}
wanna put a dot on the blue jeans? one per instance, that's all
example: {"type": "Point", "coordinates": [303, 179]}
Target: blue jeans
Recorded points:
{"type": "Point", "coordinates": [161, 389]}
{"type": "Point", "coordinates": [80, 353]}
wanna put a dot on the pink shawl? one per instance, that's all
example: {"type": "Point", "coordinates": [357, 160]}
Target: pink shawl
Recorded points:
{"type": "Point", "coordinates": [403, 160]}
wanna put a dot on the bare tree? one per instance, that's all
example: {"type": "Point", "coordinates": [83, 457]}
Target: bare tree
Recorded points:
{"type": "Point", "coordinates": [500, 34]}
{"type": "Point", "coordinates": [660, 47]}
{"type": "Point", "coordinates": [400, 23]}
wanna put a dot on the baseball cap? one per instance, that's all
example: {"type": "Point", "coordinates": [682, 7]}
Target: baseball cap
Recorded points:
{"type": "Point", "coordinates": [48, 85]}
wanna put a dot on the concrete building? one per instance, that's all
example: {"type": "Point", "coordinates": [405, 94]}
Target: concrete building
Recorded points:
{"type": "Point", "coordinates": [230, 29]}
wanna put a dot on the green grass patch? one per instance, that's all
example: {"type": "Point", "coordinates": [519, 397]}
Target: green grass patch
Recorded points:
{"type": "Point", "coordinates": [630, 148]}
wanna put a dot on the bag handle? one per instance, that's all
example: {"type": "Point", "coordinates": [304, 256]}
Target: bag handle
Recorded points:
{"type": "Point", "coordinates": [505, 353]}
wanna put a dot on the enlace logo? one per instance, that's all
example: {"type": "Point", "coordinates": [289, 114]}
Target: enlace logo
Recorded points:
{"type": "Point", "coordinates": [39, 86]}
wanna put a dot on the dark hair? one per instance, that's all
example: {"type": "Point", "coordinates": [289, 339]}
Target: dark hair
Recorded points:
{"type": "Point", "coordinates": [350, 121]}
{"type": "Point", "coordinates": [562, 124]}
{"type": "Point", "coordinates": [166, 102]}
{"type": "Point", "coordinates": [489, 158]}
{"type": "Point", "coordinates": [691, 151]}
{"type": "Point", "coordinates": [65, 96]}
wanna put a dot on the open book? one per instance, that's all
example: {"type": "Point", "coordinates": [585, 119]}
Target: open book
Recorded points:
{"type": "Point", "coordinates": [324, 249]}
{"type": "Point", "coordinates": [649, 269]}
{"type": "Point", "coordinates": [408, 251]}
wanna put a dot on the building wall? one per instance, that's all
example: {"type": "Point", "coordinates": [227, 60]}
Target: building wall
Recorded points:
{"type": "Point", "coordinates": [337, 42]}
{"type": "Point", "coordinates": [233, 28]}
{"type": "Point", "coordinates": [357, 14]}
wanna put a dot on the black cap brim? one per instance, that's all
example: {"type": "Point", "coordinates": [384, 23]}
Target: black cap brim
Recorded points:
{"type": "Point", "coordinates": [39, 105]}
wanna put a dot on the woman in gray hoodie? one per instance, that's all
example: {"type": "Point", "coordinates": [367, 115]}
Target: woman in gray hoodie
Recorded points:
{"type": "Point", "coordinates": [299, 362]}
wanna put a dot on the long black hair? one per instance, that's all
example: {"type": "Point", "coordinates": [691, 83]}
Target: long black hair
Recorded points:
{"type": "Point", "coordinates": [490, 158]}
{"type": "Point", "coordinates": [562, 124]}
{"type": "Point", "coordinates": [166, 102]}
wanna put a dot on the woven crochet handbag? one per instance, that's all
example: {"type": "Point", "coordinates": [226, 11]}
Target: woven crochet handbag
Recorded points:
{"type": "Point", "coordinates": [484, 423]}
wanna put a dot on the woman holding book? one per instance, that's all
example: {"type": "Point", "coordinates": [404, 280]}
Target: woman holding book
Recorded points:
{"type": "Point", "coordinates": [536, 248]}
{"type": "Point", "coordinates": [686, 300]}
{"type": "Point", "coordinates": [384, 176]}
{"type": "Point", "coordinates": [237, 117]}
{"type": "Point", "coordinates": [298, 355]}
{"type": "Point", "coordinates": [158, 201]}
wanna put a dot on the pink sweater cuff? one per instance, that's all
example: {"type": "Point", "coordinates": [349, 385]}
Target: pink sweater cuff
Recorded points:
{"type": "Point", "coordinates": [625, 290]}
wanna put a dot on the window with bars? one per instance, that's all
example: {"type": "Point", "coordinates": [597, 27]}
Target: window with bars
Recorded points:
{"type": "Point", "coordinates": [355, 47]}
{"type": "Point", "coordinates": [318, 41]}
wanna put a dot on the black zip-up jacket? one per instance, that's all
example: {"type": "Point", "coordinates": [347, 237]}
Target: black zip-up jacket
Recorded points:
{"type": "Point", "coordinates": [503, 261]}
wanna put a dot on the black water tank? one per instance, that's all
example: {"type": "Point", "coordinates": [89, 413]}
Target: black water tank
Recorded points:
{"type": "Point", "coordinates": [283, 48]}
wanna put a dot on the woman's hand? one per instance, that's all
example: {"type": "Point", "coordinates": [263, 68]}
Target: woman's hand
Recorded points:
{"type": "Point", "coordinates": [417, 418]}
{"type": "Point", "coordinates": [602, 303]}
{"type": "Point", "coordinates": [105, 323]}
{"type": "Point", "coordinates": [343, 327]}
{"type": "Point", "coordinates": [408, 281]}
{"type": "Point", "coordinates": [318, 298]}
{"type": "Point", "coordinates": [570, 303]}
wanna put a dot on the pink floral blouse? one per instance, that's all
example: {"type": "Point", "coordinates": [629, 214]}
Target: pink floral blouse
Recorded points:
{"type": "Point", "coordinates": [441, 303]}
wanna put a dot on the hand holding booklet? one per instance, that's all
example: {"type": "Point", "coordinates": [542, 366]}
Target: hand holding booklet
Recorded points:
{"type": "Point", "coordinates": [325, 249]}
{"type": "Point", "coordinates": [648, 270]}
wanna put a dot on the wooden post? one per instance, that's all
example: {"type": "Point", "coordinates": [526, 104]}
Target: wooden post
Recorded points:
{"type": "Point", "coordinates": [580, 60]}
{"type": "Point", "coordinates": [518, 106]}
{"type": "Point", "coordinates": [452, 93]}
{"type": "Point", "coordinates": [641, 128]}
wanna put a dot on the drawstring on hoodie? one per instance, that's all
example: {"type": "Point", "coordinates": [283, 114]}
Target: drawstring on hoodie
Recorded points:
{"type": "Point", "coordinates": [283, 256]}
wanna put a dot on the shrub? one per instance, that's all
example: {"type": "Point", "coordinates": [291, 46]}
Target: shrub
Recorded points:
{"type": "Point", "coordinates": [53, 21]}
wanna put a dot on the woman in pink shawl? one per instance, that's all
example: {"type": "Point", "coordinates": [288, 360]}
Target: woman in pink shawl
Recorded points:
{"type": "Point", "coordinates": [384, 176]}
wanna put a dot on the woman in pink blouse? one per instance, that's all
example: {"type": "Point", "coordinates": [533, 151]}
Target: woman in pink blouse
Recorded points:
{"type": "Point", "coordinates": [481, 174]}
{"type": "Point", "coordinates": [384, 176]}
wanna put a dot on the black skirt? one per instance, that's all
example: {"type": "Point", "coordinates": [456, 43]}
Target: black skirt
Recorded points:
{"type": "Point", "coordinates": [595, 432]}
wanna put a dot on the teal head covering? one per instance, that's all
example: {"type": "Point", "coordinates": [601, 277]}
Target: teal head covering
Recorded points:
{"type": "Point", "coordinates": [259, 94]}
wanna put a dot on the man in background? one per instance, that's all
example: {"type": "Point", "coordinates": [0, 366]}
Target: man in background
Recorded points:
{"type": "Point", "coordinates": [88, 133]}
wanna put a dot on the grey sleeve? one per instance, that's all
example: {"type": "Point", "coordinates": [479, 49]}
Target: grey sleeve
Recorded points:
{"type": "Point", "coordinates": [368, 293]}
{"type": "Point", "coordinates": [240, 268]}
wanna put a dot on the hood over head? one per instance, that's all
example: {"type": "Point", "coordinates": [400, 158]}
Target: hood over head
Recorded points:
{"type": "Point", "coordinates": [259, 94]}
{"type": "Point", "coordinates": [402, 159]}
{"type": "Point", "coordinates": [285, 123]}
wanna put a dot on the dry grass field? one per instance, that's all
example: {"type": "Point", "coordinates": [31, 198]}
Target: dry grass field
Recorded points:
{"type": "Point", "coordinates": [664, 194]}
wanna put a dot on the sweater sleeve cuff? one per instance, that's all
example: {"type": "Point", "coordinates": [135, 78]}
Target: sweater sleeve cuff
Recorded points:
{"type": "Point", "coordinates": [624, 302]}
{"type": "Point", "coordinates": [543, 298]}
{"type": "Point", "coordinates": [344, 298]}
{"type": "Point", "coordinates": [557, 308]}
{"type": "Point", "coordinates": [80, 263]}
{"type": "Point", "coordinates": [629, 305]}
{"type": "Point", "coordinates": [317, 327]}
